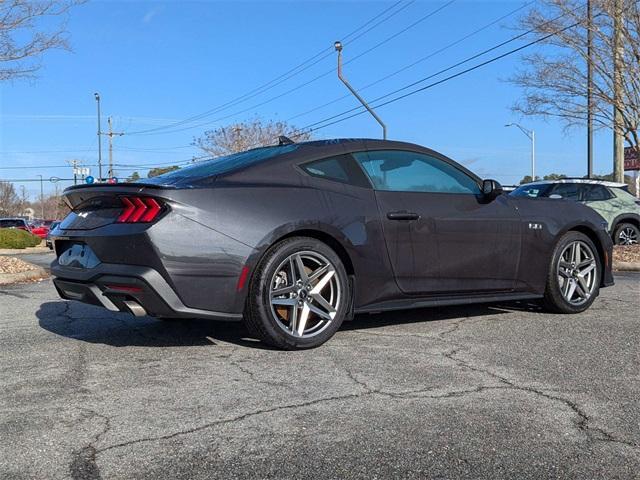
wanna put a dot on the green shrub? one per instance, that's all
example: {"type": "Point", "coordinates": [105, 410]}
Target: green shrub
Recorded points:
{"type": "Point", "coordinates": [15, 238]}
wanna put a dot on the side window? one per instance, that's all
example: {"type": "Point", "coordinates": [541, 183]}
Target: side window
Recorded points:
{"type": "Point", "coordinates": [340, 168]}
{"type": "Point", "coordinates": [596, 193]}
{"type": "Point", "coordinates": [565, 190]}
{"type": "Point", "coordinates": [403, 171]}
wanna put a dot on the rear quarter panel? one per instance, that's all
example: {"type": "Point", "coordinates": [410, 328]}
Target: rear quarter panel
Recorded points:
{"type": "Point", "coordinates": [257, 209]}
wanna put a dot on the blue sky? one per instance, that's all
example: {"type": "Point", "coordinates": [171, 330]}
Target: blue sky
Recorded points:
{"type": "Point", "coordinates": [155, 63]}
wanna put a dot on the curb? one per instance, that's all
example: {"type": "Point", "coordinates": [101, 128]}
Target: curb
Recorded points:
{"type": "Point", "coordinates": [626, 266]}
{"type": "Point", "coordinates": [37, 273]}
{"type": "Point", "coordinates": [23, 251]}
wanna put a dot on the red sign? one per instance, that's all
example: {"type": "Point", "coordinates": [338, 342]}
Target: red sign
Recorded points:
{"type": "Point", "coordinates": [631, 158]}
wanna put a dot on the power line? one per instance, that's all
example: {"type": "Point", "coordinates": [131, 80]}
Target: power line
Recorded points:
{"type": "Point", "coordinates": [118, 165]}
{"type": "Point", "coordinates": [305, 65]}
{"type": "Point", "coordinates": [431, 85]}
{"type": "Point", "coordinates": [416, 62]}
{"type": "Point", "coordinates": [298, 87]}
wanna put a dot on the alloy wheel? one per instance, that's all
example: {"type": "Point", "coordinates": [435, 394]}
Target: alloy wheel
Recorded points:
{"type": "Point", "coordinates": [305, 294]}
{"type": "Point", "coordinates": [628, 236]}
{"type": "Point", "coordinates": [577, 270]}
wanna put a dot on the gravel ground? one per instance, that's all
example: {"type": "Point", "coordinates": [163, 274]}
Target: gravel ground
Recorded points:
{"type": "Point", "coordinates": [14, 265]}
{"type": "Point", "coordinates": [626, 253]}
{"type": "Point", "coordinates": [475, 392]}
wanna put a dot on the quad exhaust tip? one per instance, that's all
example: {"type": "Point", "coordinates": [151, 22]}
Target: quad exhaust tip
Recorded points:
{"type": "Point", "coordinates": [135, 308]}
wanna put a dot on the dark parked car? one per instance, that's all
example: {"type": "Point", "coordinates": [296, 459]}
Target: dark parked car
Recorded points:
{"type": "Point", "coordinates": [52, 227]}
{"type": "Point", "coordinates": [296, 238]}
{"type": "Point", "coordinates": [19, 223]}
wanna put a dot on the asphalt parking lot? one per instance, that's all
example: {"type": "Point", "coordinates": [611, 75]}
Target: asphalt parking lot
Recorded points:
{"type": "Point", "coordinates": [499, 391]}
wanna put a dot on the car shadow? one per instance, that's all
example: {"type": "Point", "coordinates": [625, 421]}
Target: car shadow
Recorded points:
{"type": "Point", "coordinates": [95, 325]}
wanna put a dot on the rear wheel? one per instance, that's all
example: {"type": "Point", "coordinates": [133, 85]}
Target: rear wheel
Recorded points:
{"type": "Point", "coordinates": [626, 234]}
{"type": "Point", "coordinates": [298, 296]}
{"type": "Point", "coordinates": [573, 282]}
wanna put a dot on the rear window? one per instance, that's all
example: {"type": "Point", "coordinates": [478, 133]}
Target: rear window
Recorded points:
{"type": "Point", "coordinates": [219, 165]}
{"type": "Point", "coordinates": [341, 168]}
{"type": "Point", "coordinates": [595, 193]}
{"type": "Point", "coordinates": [11, 223]}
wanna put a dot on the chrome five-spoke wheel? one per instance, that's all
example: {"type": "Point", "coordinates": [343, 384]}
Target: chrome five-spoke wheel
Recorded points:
{"type": "Point", "coordinates": [305, 294]}
{"type": "Point", "coordinates": [577, 272]}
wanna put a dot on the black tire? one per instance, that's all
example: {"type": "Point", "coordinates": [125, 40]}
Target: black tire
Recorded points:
{"type": "Point", "coordinates": [259, 317]}
{"type": "Point", "coordinates": [624, 232]}
{"type": "Point", "coordinates": [554, 299]}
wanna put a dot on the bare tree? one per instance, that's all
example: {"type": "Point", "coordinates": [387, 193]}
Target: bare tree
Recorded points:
{"type": "Point", "coordinates": [22, 41]}
{"type": "Point", "coordinates": [52, 205]}
{"type": "Point", "coordinates": [9, 200]}
{"type": "Point", "coordinates": [246, 135]}
{"type": "Point", "coordinates": [555, 80]}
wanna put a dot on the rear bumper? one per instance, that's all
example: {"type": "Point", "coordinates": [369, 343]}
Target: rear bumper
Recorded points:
{"type": "Point", "coordinates": [116, 286]}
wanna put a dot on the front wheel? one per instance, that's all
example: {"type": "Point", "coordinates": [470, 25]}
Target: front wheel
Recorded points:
{"type": "Point", "coordinates": [626, 234]}
{"type": "Point", "coordinates": [298, 296]}
{"type": "Point", "coordinates": [573, 282]}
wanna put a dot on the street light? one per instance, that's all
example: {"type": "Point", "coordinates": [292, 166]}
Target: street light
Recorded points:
{"type": "Point", "coordinates": [532, 136]}
{"type": "Point", "coordinates": [97, 96]}
{"type": "Point", "coordinates": [338, 47]}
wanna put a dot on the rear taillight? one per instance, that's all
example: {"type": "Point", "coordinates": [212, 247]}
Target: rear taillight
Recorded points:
{"type": "Point", "coordinates": [139, 209]}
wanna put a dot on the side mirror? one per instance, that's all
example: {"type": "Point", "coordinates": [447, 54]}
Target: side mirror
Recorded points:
{"type": "Point", "coordinates": [491, 188]}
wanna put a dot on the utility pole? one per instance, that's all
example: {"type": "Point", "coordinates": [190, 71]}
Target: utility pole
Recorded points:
{"type": "Point", "coordinates": [589, 89]}
{"type": "Point", "coordinates": [338, 47]}
{"type": "Point", "coordinates": [111, 134]}
{"type": "Point", "coordinates": [97, 96]}
{"type": "Point", "coordinates": [23, 199]}
{"type": "Point", "coordinates": [74, 164]}
{"type": "Point", "coordinates": [41, 197]}
{"type": "Point", "coordinates": [618, 138]}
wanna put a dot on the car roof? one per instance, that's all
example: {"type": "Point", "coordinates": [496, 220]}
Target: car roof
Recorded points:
{"type": "Point", "coordinates": [606, 183]}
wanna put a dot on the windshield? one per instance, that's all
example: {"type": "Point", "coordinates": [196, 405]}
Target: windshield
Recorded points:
{"type": "Point", "coordinates": [219, 165]}
{"type": "Point", "coordinates": [531, 190]}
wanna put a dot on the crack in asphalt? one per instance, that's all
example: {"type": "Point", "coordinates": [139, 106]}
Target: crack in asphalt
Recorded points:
{"type": "Point", "coordinates": [83, 464]}
{"type": "Point", "coordinates": [582, 424]}
{"type": "Point", "coordinates": [226, 421]}
{"type": "Point", "coordinates": [250, 373]}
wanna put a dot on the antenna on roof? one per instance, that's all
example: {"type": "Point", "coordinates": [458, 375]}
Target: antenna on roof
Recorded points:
{"type": "Point", "coordinates": [284, 140]}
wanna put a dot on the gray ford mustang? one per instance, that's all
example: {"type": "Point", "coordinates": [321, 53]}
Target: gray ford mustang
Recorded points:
{"type": "Point", "coordinates": [295, 238]}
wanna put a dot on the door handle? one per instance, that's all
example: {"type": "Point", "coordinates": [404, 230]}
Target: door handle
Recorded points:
{"type": "Point", "coordinates": [402, 216]}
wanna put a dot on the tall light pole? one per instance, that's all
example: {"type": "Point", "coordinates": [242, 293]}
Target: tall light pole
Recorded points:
{"type": "Point", "coordinates": [338, 47]}
{"type": "Point", "coordinates": [589, 89]}
{"type": "Point", "coordinates": [532, 136]}
{"type": "Point", "coordinates": [97, 95]}
{"type": "Point", "coordinates": [41, 197]}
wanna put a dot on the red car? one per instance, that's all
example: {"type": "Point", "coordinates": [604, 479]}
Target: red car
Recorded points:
{"type": "Point", "coordinates": [42, 228]}
{"type": "Point", "coordinates": [42, 231]}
